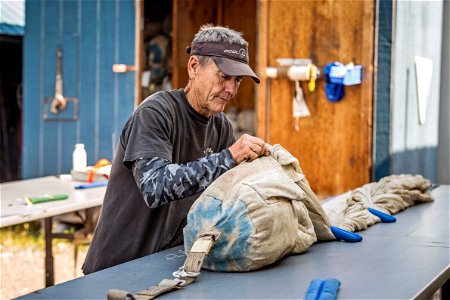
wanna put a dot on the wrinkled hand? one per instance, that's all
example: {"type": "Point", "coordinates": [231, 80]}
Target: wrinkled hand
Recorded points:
{"type": "Point", "coordinates": [248, 148]}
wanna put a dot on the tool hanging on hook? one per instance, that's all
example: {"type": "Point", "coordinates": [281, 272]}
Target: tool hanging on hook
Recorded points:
{"type": "Point", "coordinates": [59, 103]}
{"type": "Point", "coordinates": [299, 107]}
{"type": "Point", "coordinates": [58, 107]}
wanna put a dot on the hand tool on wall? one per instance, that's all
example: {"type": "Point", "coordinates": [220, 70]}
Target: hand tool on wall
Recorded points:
{"type": "Point", "coordinates": [59, 103]}
{"type": "Point", "coordinates": [58, 107]}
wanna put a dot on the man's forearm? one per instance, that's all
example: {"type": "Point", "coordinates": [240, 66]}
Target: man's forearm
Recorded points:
{"type": "Point", "coordinates": [160, 181]}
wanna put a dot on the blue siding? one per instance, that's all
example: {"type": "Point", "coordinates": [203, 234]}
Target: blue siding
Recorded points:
{"type": "Point", "coordinates": [124, 82]}
{"type": "Point", "coordinates": [105, 114]}
{"type": "Point", "coordinates": [51, 24]}
{"type": "Point", "coordinates": [32, 89]}
{"type": "Point", "coordinates": [68, 36]}
{"type": "Point", "coordinates": [382, 95]}
{"type": "Point", "coordinates": [91, 34]}
{"type": "Point", "coordinates": [88, 62]}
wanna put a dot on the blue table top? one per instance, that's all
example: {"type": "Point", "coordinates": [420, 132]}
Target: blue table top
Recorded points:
{"type": "Point", "coordinates": [406, 259]}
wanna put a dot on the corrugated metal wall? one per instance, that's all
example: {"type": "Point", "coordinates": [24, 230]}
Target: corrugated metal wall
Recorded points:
{"type": "Point", "coordinates": [418, 32]}
{"type": "Point", "coordinates": [93, 35]}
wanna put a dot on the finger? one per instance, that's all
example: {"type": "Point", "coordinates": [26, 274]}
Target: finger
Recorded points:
{"type": "Point", "coordinates": [266, 149]}
{"type": "Point", "coordinates": [252, 156]}
{"type": "Point", "coordinates": [263, 148]}
{"type": "Point", "coordinates": [256, 148]}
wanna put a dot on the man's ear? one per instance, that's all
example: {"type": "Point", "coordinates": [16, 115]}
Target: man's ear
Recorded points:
{"type": "Point", "coordinates": [193, 66]}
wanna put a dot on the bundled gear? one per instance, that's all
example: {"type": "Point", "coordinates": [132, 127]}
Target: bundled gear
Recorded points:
{"type": "Point", "coordinates": [264, 209]}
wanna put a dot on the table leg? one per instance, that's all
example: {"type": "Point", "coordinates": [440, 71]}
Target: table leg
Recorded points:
{"type": "Point", "coordinates": [89, 223]}
{"type": "Point", "coordinates": [446, 290]}
{"type": "Point", "coordinates": [49, 276]}
{"type": "Point", "coordinates": [50, 235]}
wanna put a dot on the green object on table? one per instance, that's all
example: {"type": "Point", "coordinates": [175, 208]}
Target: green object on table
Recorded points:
{"type": "Point", "coordinates": [46, 198]}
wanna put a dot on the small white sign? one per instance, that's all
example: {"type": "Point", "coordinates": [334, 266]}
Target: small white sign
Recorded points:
{"type": "Point", "coordinates": [424, 72]}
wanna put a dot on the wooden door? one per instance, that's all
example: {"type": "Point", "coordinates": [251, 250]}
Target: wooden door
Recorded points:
{"type": "Point", "coordinates": [333, 145]}
{"type": "Point", "coordinates": [189, 15]}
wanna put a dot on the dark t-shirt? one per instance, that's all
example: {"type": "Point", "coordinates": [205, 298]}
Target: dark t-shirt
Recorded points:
{"type": "Point", "coordinates": [166, 126]}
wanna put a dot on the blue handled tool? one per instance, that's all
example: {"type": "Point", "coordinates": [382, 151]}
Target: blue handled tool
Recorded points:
{"type": "Point", "coordinates": [345, 235]}
{"type": "Point", "coordinates": [91, 185]}
{"type": "Point", "coordinates": [385, 218]}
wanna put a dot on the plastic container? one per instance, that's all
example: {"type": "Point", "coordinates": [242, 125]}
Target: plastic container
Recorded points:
{"type": "Point", "coordinates": [79, 158]}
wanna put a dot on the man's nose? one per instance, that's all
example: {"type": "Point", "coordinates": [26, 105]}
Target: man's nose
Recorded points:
{"type": "Point", "coordinates": [231, 86]}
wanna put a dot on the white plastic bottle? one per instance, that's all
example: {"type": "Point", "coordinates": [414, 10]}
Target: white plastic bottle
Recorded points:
{"type": "Point", "coordinates": [79, 158]}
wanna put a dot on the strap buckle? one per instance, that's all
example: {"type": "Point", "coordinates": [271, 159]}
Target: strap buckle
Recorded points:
{"type": "Point", "coordinates": [214, 235]}
{"type": "Point", "coordinates": [182, 273]}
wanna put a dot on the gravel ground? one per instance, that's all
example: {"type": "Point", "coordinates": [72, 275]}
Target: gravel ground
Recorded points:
{"type": "Point", "coordinates": [22, 268]}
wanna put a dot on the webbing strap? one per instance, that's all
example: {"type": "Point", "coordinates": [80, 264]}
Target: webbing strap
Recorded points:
{"type": "Point", "coordinates": [183, 276]}
{"type": "Point", "coordinates": [166, 285]}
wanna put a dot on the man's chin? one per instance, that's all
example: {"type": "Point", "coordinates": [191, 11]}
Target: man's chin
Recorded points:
{"type": "Point", "coordinates": [217, 109]}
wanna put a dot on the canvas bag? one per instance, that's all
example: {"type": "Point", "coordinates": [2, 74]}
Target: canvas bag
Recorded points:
{"type": "Point", "coordinates": [263, 209]}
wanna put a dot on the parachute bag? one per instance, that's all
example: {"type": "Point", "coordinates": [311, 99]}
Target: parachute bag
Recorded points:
{"type": "Point", "coordinates": [264, 210]}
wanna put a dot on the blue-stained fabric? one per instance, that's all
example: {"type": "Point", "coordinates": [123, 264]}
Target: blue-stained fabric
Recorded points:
{"type": "Point", "coordinates": [235, 226]}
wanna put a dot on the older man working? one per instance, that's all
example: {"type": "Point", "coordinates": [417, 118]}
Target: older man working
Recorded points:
{"type": "Point", "coordinates": [174, 145]}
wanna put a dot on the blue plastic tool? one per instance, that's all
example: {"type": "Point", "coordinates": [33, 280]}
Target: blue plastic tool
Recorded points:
{"type": "Point", "coordinates": [323, 289]}
{"type": "Point", "coordinates": [91, 185]}
{"type": "Point", "coordinates": [385, 218]}
{"type": "Point", "coordinates": [345, 235]}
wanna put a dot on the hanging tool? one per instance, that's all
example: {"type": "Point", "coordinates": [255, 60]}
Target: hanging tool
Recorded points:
{"type": "Point", "coordinates": [299, 107]}
{"type": "Point", "coordinates": [59, 103]}
{"type": "Point", "coordinates": [59, 107]}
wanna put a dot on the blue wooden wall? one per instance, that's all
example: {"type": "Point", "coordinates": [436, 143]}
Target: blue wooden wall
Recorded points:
{"type": "Point", "coordinates": [93, 36]}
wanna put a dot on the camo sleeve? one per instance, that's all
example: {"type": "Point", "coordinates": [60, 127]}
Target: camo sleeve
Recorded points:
{"type": "Point", "coordinates": [161, 181]}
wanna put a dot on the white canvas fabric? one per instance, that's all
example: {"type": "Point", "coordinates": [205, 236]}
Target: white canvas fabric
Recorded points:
{"type": "Point", "coordinates": [264, 210]}
{"type": "Point", "coordinates": [394, 193]}
{"type": "Point", "coordinates": [390, 195]}
{"type": "Point", "coordinates": [349, 213]}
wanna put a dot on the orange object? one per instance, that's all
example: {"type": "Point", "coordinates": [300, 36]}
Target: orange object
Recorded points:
{"type": "Point", "coordinates": [99, 164]}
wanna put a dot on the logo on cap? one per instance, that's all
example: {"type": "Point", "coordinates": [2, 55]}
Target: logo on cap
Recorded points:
{"type": "Point", "coordinates": [241, 52]}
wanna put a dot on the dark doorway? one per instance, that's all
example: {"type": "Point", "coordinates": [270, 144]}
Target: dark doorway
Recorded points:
{"type": "Point", "coordinates": [10, 107]}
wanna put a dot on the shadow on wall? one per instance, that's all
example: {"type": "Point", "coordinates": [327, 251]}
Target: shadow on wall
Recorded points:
{"type": "Point", "coordinates": [421, 161]}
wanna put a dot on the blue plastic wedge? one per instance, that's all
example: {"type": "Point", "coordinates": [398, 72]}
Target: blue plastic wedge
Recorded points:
{"type": "Point", "coordinates": [323, 289]}
{"type": "Point", "coordinates": [385, 218]}
{"type": "Point", "coordinates": [345, 235]}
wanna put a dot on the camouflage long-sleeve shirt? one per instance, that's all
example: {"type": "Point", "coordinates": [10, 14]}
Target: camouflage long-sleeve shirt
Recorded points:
{"type": "Point", "coordinates": [161, 182]}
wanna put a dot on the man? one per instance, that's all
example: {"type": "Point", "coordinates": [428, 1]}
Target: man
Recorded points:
{"type": "Point", "coordinates": [174, 145]}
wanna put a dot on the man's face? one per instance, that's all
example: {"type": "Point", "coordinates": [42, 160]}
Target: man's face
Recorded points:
{"type": "Point", "coordinates": [213, 89]}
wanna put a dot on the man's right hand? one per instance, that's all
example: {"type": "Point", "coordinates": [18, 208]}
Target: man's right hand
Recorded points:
{"type": "Point", "coordinates": [248, 148]}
